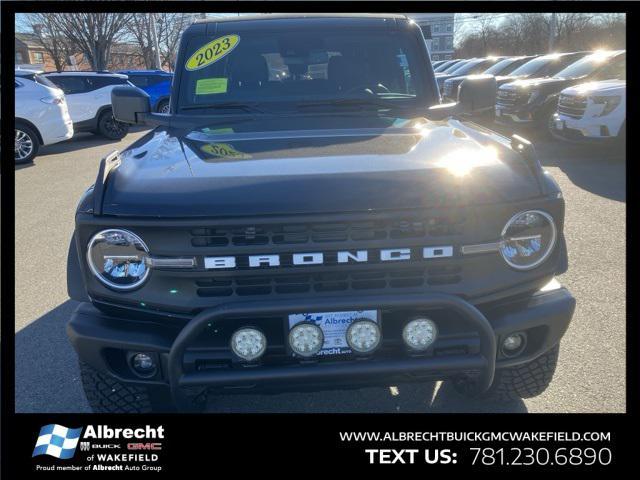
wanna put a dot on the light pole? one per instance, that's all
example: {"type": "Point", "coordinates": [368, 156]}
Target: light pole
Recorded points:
{"type": "Point", "coordinates": [552, 32]}
{"type": "Point", "coordinates": [154, 39]}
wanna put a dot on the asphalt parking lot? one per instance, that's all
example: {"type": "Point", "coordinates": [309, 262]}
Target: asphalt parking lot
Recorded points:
{"type": "Point", "coordinates": [591, 369]}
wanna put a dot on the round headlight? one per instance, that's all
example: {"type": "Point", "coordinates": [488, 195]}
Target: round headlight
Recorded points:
{"type": "Point", "coordinates": [306, 339]}
{"type": "Point", "coordinates": [248, 343]}
{"type": "Point", "coordinates": [118, 258]}
{"type": "Point", "coordinates": [528, 239]}
{"type": "Point", "coordinates": [419, 334]}
{"type": "Point", "coordinates": [363, 336]}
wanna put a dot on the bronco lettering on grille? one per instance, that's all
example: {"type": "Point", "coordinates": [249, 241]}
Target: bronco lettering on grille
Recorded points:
{"type": "Point", "coordinates": [318, 258]}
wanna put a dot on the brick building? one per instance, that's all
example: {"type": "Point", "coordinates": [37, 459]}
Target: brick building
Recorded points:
{"type": "Point", "coordinates": [442, 27]}
{"type": "Point", "coordinates": [30, 52]}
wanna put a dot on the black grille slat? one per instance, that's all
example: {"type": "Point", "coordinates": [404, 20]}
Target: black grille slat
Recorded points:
{"type": "Point", "coordinates": [412, 277]}
{"type": "Point", "coordinates": [572, 106]}
{"type": "Point", "coordinates": [509, 98]}
{"type": "Point", "coordinates": [321, 233]}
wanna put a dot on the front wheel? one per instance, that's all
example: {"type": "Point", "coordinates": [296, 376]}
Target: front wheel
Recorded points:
{"type": "Point", "coordinates": [163, 106]}
{"type": "Point", "coordinates": [111, 128]}
{"type": "Point", "coordinates": [105, 394]}
{"type": "Point", "coordinates": [26, 144]}
{"type": "Point", "coordinates": [522, 381]}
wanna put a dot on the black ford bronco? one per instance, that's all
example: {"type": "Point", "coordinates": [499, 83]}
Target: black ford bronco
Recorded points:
{"type": "Point", "coordinates": [309, 215]}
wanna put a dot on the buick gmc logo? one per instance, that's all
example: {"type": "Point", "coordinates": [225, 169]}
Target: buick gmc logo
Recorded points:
{"type": "Point", "coordinates": [318, 258]}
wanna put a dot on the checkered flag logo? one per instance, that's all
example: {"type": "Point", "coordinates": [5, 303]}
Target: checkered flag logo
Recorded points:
{"type": "Point", "coordinates": [57, 441]}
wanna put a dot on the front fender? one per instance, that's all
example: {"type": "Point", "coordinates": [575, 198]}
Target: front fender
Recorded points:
{"type": "Point", "coordinates": [75, 280]}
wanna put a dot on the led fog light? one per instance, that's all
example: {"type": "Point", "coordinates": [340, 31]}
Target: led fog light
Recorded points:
{"type": "Point", "coordinates": [419, 334]}
{"type": "Point", "coordinates": [248, 343]}
{"type": "Point", "coordinates": [514, 344]}
{"type": "Point", "coordinates": [363, 336]}
{"type": "Point", "coordinates": [143, 364]}
{"type": "Point", "coordinates": [306, 339]}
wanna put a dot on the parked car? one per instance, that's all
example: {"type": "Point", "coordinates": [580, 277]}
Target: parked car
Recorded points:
{"type": "Point", "coordinates": [88, 95]}
{"type": "Point", "coordinates": [534, 101]}
{"type": "Point", "coordinates": [157, 84]}
{"type": "Point", "coordinates": [349, 242]}
{"type": "Point", "coordinates": [503, 67]}
{"type": "Point", "coordinates": [437, 63]}
{"type": "Point", "coordinates": [594, 111]}
{"type": "Point", "coordinates": [472, 67]}
{"type": "Point", "coordinates": [541, 66]}
{"type": "Point", "coordinates": [41, 114]}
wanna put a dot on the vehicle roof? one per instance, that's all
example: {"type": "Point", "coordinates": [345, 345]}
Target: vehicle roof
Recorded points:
{"type": "Point", "coordinates": [23, 72]}
{"type": "Point", "coordinates": [86, 74]}
{"type": "Point", "coordinates": [562, 54]}
{"type": "Point", "coordinates": [281, 16]}
{"type": "Point", "coordinates": [143, 72]}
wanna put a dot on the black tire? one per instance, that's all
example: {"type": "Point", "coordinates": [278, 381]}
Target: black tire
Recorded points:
{"type": "Point", "coordinates": [110, 128]}
{"type": "Point", "coordinates": [622, 136]}
{"type": "Point", "coordinates": [29, 144]}
{"type": "Point", "coordinates": [106, 395]}
{"type": "Point", "coordinates": [524, 381]}
{"type": "Point", "coordinates": [163, 106]}
{"type": "Point", "coordinates": [545, 124]}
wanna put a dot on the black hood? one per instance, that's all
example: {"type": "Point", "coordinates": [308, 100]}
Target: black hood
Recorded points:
{"type": "Point", "coordinates": [321, 164]}
{"type": "Point", "coordinates": [547, 85]}
{"type": "Point", "coordinates": [502, 79]}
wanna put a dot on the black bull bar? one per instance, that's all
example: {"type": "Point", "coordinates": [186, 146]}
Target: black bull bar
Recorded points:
{"type": "Point", "coordinates": [178, 379]}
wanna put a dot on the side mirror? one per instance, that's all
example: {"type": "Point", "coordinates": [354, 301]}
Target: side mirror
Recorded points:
{"type": "Point", "coordinates": [477, 93]}
{"type": "Point", "coordinates": [130, 104]}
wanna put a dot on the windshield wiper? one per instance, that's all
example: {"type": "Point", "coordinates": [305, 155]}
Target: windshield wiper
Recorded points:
{"type": "Point", "coordinates": [350, 102]}
{"type": "Point", "coordinates": [247, 107]}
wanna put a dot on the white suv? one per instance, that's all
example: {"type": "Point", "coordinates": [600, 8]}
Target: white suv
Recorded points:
{"type": "Point", "coordinates": [41, 114]}
{"type": "Point", "coordinates": [592, 111]}
{"type": "Point", "coordinates": [89, 97]}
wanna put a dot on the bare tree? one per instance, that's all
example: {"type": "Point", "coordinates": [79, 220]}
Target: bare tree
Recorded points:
{"type": "Point", "coordinates": [570, 24]}
{"type": "Point", "coordinates": [139, 27]}
{"type": "Point", "coordinates": [169, 28]}
{"type": "Point", "coordinates": [528, 33]}
{"type": "Point", "coordinates": [46, 29]}
{"type": "Point", "coordinates": [93, 33]}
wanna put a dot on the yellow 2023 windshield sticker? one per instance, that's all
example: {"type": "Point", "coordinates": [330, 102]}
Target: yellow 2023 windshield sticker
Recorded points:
{"type": "Point", "coordinates": [212, 52]}
{"type": "Point", "coordinates": [208, 86]}
{"type": "Point", "coordinates": [224, 150]}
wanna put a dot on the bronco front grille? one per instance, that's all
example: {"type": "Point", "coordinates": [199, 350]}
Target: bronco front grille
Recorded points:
{"type": "Point", "coordinates": [329, 281]}
{"type": "Point", "coordinates": [291, 234]}
{"type": "Point", "coordinates": [572, 106]}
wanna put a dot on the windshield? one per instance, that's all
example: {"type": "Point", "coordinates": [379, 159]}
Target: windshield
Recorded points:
{"type": "Point", "coordinates": [586, 65]}
{"type": "Point", "coordinates": [42, 80]}
{"type": "Point", "coordinates": [445, 65]}
{"type": "Point", "coordinates": [503, 67]}
{"type": "Point", "coordinates": [313, 66]}
{"type": "Point", "coordinates": [533, 66]}
{"type": "Point", "coordinates": [457, 66]}
{"type": "Point", "coordinates": [470, 68]}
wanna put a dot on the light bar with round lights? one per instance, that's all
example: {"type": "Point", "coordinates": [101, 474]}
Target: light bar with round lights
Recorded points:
{"type": "Point", "coordinates": [248, 343]}
{"type": "Point", "coordinates": [363, 336]}
{"type": "Point", "coordinates": [419, 334]}
{"type": "Point", "coordinates": [306, 339]}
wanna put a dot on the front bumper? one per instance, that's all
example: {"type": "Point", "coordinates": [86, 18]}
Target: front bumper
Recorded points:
{"type": "Point", "coordinates": [522, 115]}
{"type": "Point", "coordinates": [103, 342]}
{"type": "Point", "coordinates": [583, 130]}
